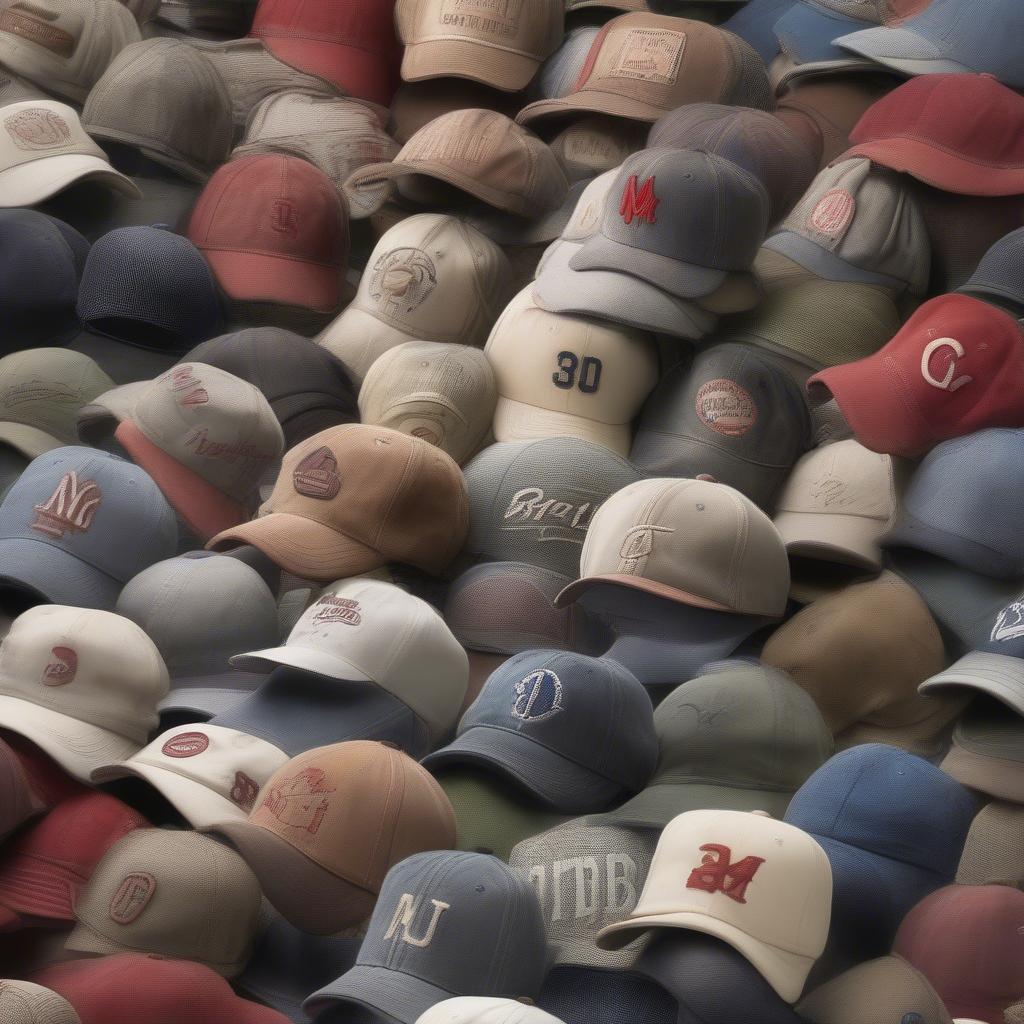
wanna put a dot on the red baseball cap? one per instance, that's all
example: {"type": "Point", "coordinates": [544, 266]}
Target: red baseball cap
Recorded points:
{"type": "Point", "coordinates": [18, 801]}
{"type": "Point", "coordinates": [960, 133]}
{"type": "Point", "coordinates": [138, 988]}
{"type": "Point", "coordinates": [351, 43]}
{"type": "Point", "coordinates": [50, 782]}
{"type": "Point", "coordinates": [956, 366]}
{"type": "Point", "coordinates": [274, 229]}
{"type": "Point", "coordinates": [968, 941]}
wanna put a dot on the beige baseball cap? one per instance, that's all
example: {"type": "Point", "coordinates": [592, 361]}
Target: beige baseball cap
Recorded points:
{"type": "Point", "coordinates": [595, 144]}
{"type": "Point", "coordinates": [178, 894]}
{"type": "Point", "coordinates": [482, 1010]}
{"type": "Point", "coordinates": [429, 278]}
{"type": "Point", "coordinates": [445, 394]}
{"type": "Point", "coordinates": [42, 391]}
{"type": "Point", "coordinates": [80, 683]}
{"type": "Point", "coordinates": [21, 1002]}
{"type": "Point", "coordinates": [994, 851]}
{"type": "Point", "coordinates": [501, 44]}
{"type": "Point", "coordinates": [209, 773]}
{"type": "Point", "coordinates": [692, 541]}
{"type": "Point", "coordinates": [760, 885]}
{"type": "Point", "coordinates": [566, 375]}
{"type": "Point", "coordinates": [44, 149]}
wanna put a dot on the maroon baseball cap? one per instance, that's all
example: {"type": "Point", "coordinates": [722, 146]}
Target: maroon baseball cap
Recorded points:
{"type": "Point", "coordinates": [351, 43]}
{"type": "Point", "coordinates": [50, 782]}
{"type": "Point", "coordinates": [960, 133]}
{"type": "Point", "coordinates": [274, 229]}
{"type": "Point", "coordinates": [955, 367]}
{"type": "Point", "coordinates": [18, 802]}
{"type": "Point", "coordinates": [968, 941]}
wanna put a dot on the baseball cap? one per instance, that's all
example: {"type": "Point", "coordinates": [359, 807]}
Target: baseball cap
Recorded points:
{"type": "Point", "coordinates": [274, 229]}
{"type": "Point", "coordinates": [485, 1010]}
{"type": "Point", "coordinates": [354, 497]}
{"type": "Point", "coordinates": [179, 894]}
{"type": "Point", "coordinates": [853, 224]}
{"type": "Point", "coordinates": [165, 98]}
{"type": "Point", "coordinates": [590, 995]}
{"type": "Point", "coordinates": [771, 903]}
{"type": "Point", "coordinates": [752, 139]}
{"type": "Point", "coordinates": [21, 1002]}
{"type": "Point", "coordinates": [561, 70]}
{"type": "Point", "coordinates": [44, 148]}
{"type": "Point", "coordinates": [642, 65]}
{"type": "Point", "coordinates": [502, 46]}
{"type": "Point", "coordinates": [987, 748]}
{"type": "Point", "coordinates": [446, 924]}
{"type": "Point", "coordinates": [365, 630]}
{"type": "Point", "coordinates": [740, 737]}
{"type": "Point", "coordinates": [966, 939]}
{"type": "Point", "coordinates": [378, 805]}
{"type": "Point", "coordinates": [754, 22]}
{"type": "Point", "coordinates": [160, 990]}
{"type": "Point", "coordinates": [44, 869]}
{"type": "Point", "coordinates": [595, 144]}
{"type": "Point", "coordinates": [733, 416]}
{"type": "Point", "coordinates": [992, 853]}
{"type": "Point", "coordinates": [19, 800]}
{"type": "Point", "coordinates": [349, 43]}
{"type": "Point", "coordinates": [995, 278]}
{"type": "Point", "coordinates": [64, 45]}
{"type": "Point", "coordinates": [429, 278]}
{"type": "Point", "coordinates": [952, 369]}
{"type": "Point", "coordinates": [550, 370]}
{"type": "Point", "coordinates": [473, 151]}
{"type": "Point", "coordinates": [416, 104]}
{"type": "Point", "coordinates": [515, 728]}
{"type": "Point", "coordinates": [960, 133]}
{"type": "Point", "coordinates": [225, 17]}
{"type": "Point", "coordinates": [443, 393]}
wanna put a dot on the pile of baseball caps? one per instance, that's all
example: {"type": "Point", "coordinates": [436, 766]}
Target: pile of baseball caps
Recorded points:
{"type": "Point", "coordinates": [510, 511]}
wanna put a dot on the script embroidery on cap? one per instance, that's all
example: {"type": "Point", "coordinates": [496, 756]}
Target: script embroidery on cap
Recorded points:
{"type": "Point", "coordinates": [834, 213]}
{"type": "Point", "coordinates": [186, 744]}
{"type": "Point", "coordinates": [70, 509]}
{"type": "Point", "coordinates": [537, 696]}
{"type": "Point", "coordinates": [404, 919]}
{"type": "Point", "coordinates": [61, 668]}
{"type": "Point", "coordinates": [650, 55]}
{"type": "Point", "coordinates": [639, 205]}
{"type": "Point", "coordinates": [499, 18]}
{"type": "Point", "coordinates": [37, 31]}
{"type": "Point", "coordinates": [300, 802]}
{"type": "Point", "coordinates": [717, 874]}
{"type": "Point", "coordinates": [187, 388]}
{"type": "Point", "coordinates": [284, 218]}
{"type": "Point", "coordinates": [530, 508]}
{"type": "Point", "coordinates": [37, 391]}
{"type": "Point", "coordinates": [829, 490]}
{"type": "Point", "coordinates": [1009, 624]}
{"type": "Point", "coordinates": [132, 897]}
{"type": "Point", "coordinates": [226, 451]}
{"type": "Point", "coordinates": [402, 280]}
{"type": "Point", "coordinates": [337, 609]}
{"type": "Point", "coordinates": [639, 543]}
{"type": "Point", "coordinates": [316, 476]}
{"type": "Point", "coordinates": [947, 383]}
{"type": "Point", "coordinates": [244, 791]}
{"type": "Point", "coordinates": [726, 408]}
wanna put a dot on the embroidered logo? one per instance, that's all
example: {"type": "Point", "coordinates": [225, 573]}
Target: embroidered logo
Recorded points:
{"type": "Point", "coordinates": [301, 801]}
{"type": "Point", "coordinates": [946, 383]}
{"type": "Point", "coordinates": [640, 204]}
{"type": "Point", "coordinates": [244, 791]}
{"type": "Point", "coordinates": [726, 408]}
{"type": "Point", "coordinates": [227, 451]}
{"type": "Point", "coordinates": [62, 667]}
{"type": "Point", "coordinates": [639, 543]}
{"type": "Point", "coordinates": [1009, 623]}
{"type": "Point", "coordinates": [132, 897]}
{"type": "Point", "coordinates": [70, 509]}
{"type": "Point", "coordinates": [402, 280]}
{"type": "Point", "coordinates": [37, 391]}
{"type": "Point", "coordinates": [428, 435]}
{"type": "Point", "coordinates": [187, 389]}
{"type": "Point", "coordinates": [337, 609]}
{"type": "Point", "coordinates": [537, 696]}
{"type": "Point", "coordinates": [316, 476]}
{"type": "Point", "coordinates": [834, 213]}
{"type": "Point", "coordinates": [37, 129]}
{"type": "Point", "coordinates": [404, 920]}
{"type": "Point", "coordinates": [186, 744]}
{"type": "Point", "coordinates": [284, 218]}
{"type": "Point", "coordinates": [31, 27]}
{"type": "Point", "coordinates": [588, 888]}
{"type": "Point", "coordinates": [531, 509]}
{"type": "Point", "coordinates": [494, 18]}
{"type": "Point", "coordinates": [717, 874]}
{"type": "Point", "coordinates": [828, 491]}
{"type": "Point", "coordinates": [650, 55]}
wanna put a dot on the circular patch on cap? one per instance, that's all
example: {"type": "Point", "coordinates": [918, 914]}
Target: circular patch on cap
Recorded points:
{"type": "Point", "coordinates": [726, 408]}
{"type": "Point", "coordinates": [38, 128]}
{"type": "Point", "coordinates": [834, 212]}
{"type": "Point", "coordinates": [537, 696]}
{"type": "Point", "coordinates": [402, 280]}
{"type": "Point", "coordinates": [132, 897]}
{"type": "Point", "coordinates": [62, 667]}
{"type": "Point", "coordinates": [186, 744]}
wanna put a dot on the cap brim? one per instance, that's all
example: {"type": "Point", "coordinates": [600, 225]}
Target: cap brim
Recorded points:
{"type": "Point", "coordinates": [902, 50]}
{"type": "Point", "coordinates": [391, 994]}
{"type": "Point", "coordinates": [311, 659]}
{"type": "Point", "coordinates": [849, 540]}
{"type": "Point", "coordinates": [988, 774]}
{"type": "Point", "coordinates": [30, 441]}
{"type": "Point", "coordinates": [31, 183]}
{"type": "Point", "coordinates": [201, 702]}
{"type": "Point", "coordinates": [657, 805]}
{"type": "Point", "coordinates": [591, 102]}
{"type": "Point", "coordinates": [33, 887]}
{"type": "Point", "coordinates": [824, 264]}
{"type": "Point", "coordinates": [122, 362]}
{"type": "Point", "coordinates": [264, 277]}
{"type": "Point", "coordinates": [517, 421]}
{"type": "Point", "coordinates": [56, 575]}
{"type": "Point", "coordinates": [911, 532]}
{"type": "Point", "coordinates": [575, 589]}
{"type": "Point", "coordinates": [997, 675]}
{"type": "Point", "coordinates": [460, 58]}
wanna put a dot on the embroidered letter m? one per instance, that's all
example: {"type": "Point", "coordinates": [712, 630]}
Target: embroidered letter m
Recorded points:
{"type": "Point", "coordinates": [640, 204]}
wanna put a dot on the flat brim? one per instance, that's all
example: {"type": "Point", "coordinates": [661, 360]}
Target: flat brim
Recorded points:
{"type": "Point", "coordinates": [575, 589]}
{"type": "Point", "coordinates": [902, 50]}
{"type": "Point", "coordinates": [849, 540]}
{"type": "Point", "coordinates": [31, 183]}
{"type": "Point", "coordinates": [997, 675]}
{"type": "Point", "coordinates": [311, 659]}
{"type": "Point", "coordinates": [55, 574]}
{"type": "Point", "coordinates": [30, 441]}
{"type": "Point", "coordinates": [805, 32]}
{"type": "Point", "coordinates": [461, 58]}
{"type": "Point", "coordinates": [517, 421]}
{"type": "Point", "coordinates": [264, 277]}
{"type": "Point", "coordinates": [657, 805]}
{"type": "Point", "coordinates": [397, 997]}
{"type": "Point", "coordinates": [591, 102]}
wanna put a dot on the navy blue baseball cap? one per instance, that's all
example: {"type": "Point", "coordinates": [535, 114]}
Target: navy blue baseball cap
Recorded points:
{"type": "Point", "coordinates": [576, 732]}
{"type": "Point", "coordinates": [999, 277]}
{"type": "Point", "coordinates": [589, 995]}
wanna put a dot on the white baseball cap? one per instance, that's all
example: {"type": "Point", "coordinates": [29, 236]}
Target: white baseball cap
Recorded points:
{"type": "Point", "coordinates": [485, 1010]}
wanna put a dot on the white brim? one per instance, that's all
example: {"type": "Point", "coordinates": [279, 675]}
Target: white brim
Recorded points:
{"type": "Point", "coordinates": [849, 540]}
{"type": "Point", "coordinates": [997, 675]}
{"type": "Point", "coordinates": [31, 183]}
{"type": "Point", "coordinates": [902, 50]}
{"type": "Point", "coordinates": [307, 658]}
{"type": "Point", "coordinates": [30, 441]}
{"type": "Point", "coordinates": [517, 421]}
{"type": "Point", "coordinates": [359, 339]}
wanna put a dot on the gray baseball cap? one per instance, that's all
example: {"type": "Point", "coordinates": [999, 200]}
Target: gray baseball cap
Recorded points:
{"type": "Point", "coordinates": [560, 72]}
{"type": "Point", "coordinates": [446, 924]}
{"type": "Point", "coordinates": [998, 276]}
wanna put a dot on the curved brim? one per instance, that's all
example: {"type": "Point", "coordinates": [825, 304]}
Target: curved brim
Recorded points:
{"type": "Point", "coordinates": [578, 587]}
{"type": "Point", "coordinates": [33, 182]}
{"type": "Point", "coordinates": [264, 277]}
{"type": "Point", "coordinates": [558, 782]}
{"type": "Point", "coordinates": [824, 264]}
{"type": "Point", "coordinates": [153, 150]}
{"type": "Point", "coordinates": [389, 995]}
{"type": "Point", "coordinates": [994, 776]}
{"type": "Point", "coordinates": [849, 540]}
{"type": "Point", "coordinates": [30, 441]}
{"type": "Point", "coordinates": [902, 50]}
{"type": "Point", "coordinates": [461, 58]}
{"type": "Point", "coordinates": [517, 421]}
{"type": "Point", "coordinates": [805, 32]}
{"type": "Point", "coordinates": [592, 102]}
{"type": "Point", "coordinates": [36, 888]}
{"type": "Point", "coordinates": [58, 576]}
{"type": "Point", "coordinates": [303, 547]}
{"type": "Point", "coordinates": [966, 552]}
{"type": "Point", "coordinates": [657, 805]}
{"type": "Point", "coordinates": [998, 675]}
{"type": "Point", "coordinates": [311, 659]}
{"type": "Point", "coordinates": [307, 895]}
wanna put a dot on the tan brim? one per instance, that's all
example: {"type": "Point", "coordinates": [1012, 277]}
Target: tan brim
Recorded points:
{"type": "Point", "coordinates": [30, 441]}
{"type": "Point", "coordinates": [994, 776]}
{"type": "Point", "coordinates": [575, 589]}
{"type": "Point", "coordinates": [849, 540]}
{"type": "Point", "coordinates": [517, 421]}
{"type": "Point", "coordinates": [359, 339]}
{"type": "Point", "coordinates": [29, 184]}
{"type": "Point", "coordinates": [779, 271]}
{"type": "Point", "coordinates": [591, 102]}
{"type": "Point", "coordinates": [463, 58]}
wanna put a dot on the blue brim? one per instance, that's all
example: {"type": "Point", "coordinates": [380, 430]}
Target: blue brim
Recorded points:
{"type": "Point", "coordinates": [755, 23]}
{"type": "Point", "coordinates": [902, 50]}
{"type": "Point", "coordinates": [54, 574]}
{"type": "Point", "coordinates": [970, 554]}
{"type": "Point", "coordinates": [806, 33]}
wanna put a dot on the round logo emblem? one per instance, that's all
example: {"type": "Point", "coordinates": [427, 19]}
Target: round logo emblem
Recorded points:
{"type": "Point", "coordinates": [537, 696]}
{"type": "Point", "coordinates": [834, 212]}
{"type": "Point", "coordinates": [37, 128]}
{"type": "Point", "coordinates": [726, 408]}
{"type": "Point", "coordinates": [402, 280]}
{"type": "Point", "coordinates": [61, 668]}
{"type": "Point", "coordinates": [186, 744]}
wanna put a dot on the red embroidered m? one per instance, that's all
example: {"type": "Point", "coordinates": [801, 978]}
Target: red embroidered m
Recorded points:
{"type": "Point", "coordinates": [717, 874]}
{"type": "Point", "coordinates": [639, 205]}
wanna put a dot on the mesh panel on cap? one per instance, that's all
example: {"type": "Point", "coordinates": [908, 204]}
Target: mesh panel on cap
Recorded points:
{"type": "Point", "coordinates": [750, 86]}
{"type": "Point", "coordinates": [994, 852]}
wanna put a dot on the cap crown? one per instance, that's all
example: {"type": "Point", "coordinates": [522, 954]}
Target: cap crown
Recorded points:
{"type": "Point", "coordinates": [37, 129]}
{"type": "Point", "coordinates": [593, 145]}
{"type": "Point", "coordinates": [21, 1002]}
{"type": "Point", "coordinates": [483, 1010]}
{"type": "Point", "coordinates": [992, 852]}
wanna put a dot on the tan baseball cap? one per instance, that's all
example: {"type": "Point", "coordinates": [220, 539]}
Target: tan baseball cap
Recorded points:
{"type": "Point", "coordinates": [762, 886]}
{"type": "Point", "coordinates": [593, 145]}
{"type": "Point", "coordinates": [330, 824]}
{"type": "Point", "coordinates": [209, 773]}
{"type": "Point", "coordinates": [354, 497]}
{"type": "Point", "coordinates": [429, 278]}
{"type": "Point", "coordinates": [44, 149]}
{"type": "Point", "coordinates": [994, 851]}
{"type": "Point", "coordinates": [445, 394]}
{"type": "Point", "coordinates": [80, 683]}
{"type": "Point", "coordinates": [692, 541]}
{"type": "Point", "coordinates": [416, 104]}
{"type": "Point", "coordinates": [21, 1002]}
{"type": "Point", "coordinates": [179, 894]}
{"type": "Point", "coordinates": [476, 152]}
{"type": "Point", "coordinates": [568, 376]}
{"type": "Point", "coordinates": [501, 44]}
{"type": "Point", "coordinates": [644, 65]}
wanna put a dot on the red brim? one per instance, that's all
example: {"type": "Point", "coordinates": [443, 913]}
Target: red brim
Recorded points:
{"type": "Point", "coordinates": [36, 888]}
{"type": "Point", "coordinates": [263, 277]}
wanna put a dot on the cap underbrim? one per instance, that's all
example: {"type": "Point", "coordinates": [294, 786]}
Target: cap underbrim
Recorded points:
{"type": "Point", "coordinates": [31, 183]}
{"type": "Point", "coordinates": [966, 552]}
{"type": "Point", "coordinates": [575, 589]}
{"type": "Point", "coordinates": [849, 540]}
{"type": "Point", "coordinates": [591, 102]}
{"type": "Point", "coordinates": [997, 675]}
{"type": "Point", "coordinates": [824, 264]}
{"type": "Point", "coordinates": [310, 659]}
{"type": "Point", "coordinates": [264, 277]}
{"type": "Point", "coordinates": [57, 575]}
{"type": "Point", "coordinates": [902, 50]}
{"type": "Point", "coordinates": [460, 58]}
{"type": "Point", "coordinates": [517, 421]}
{"type": "Point", "coordinates": [202, 702]}
{"type": "Point", "coordinates": [391, 994]}
{"type": "Point", "coordinates": [30, 441]}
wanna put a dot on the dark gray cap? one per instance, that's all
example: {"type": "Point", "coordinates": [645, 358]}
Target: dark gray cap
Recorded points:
{"type": "Point", "coordinates": [1000, 274]}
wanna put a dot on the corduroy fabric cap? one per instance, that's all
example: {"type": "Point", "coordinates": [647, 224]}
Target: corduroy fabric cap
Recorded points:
{"type": "Point", "coordinates": [22, 1002]}
{"type": "Point", "coordinates": [644, 65]}
{"type": "Point", "coordinates": [166, 99]}
{"type": "Point", "coordinates": [988, 750]}
{"type": "Point", "coordinates": [330, 824]}
{"type": "Point", "coordinates": [64, 46]}
{"type": "Point", "coordinates": [595, 144]}
{"type": "Point", "coordinates": [19, 800]}
{"type": "Point", "coordinates": [476, 152]}
{"type": "Point", "coordinates": [994, 851]}
{"type": "Point", "coordinates": [500, 45]}
{"type": "Point", "coordinates": [997, 277]}
{"type": "Point", "coordinates": [352, 498]}
{"type": "Point", "coordinates": [274, 229]}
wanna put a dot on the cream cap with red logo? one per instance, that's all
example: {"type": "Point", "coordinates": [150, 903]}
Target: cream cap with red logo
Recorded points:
{"type": "Point", "coordinates": [762, 886]}
{"type": "Point", "coordinates": [80, 683]}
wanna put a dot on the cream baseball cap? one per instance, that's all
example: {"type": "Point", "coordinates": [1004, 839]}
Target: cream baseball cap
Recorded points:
{"type": "Point", "coordinates": [760, 885]}
{"type": "Point", "coordinates": [21, 1002]}
{"type": "Point", "coordinates": [699, 543]}
{"type": "Point", "coordinates": [485, 1010]}
{"type": "Point", "coordinates": [568, 376]}
{"type": "Point", "coordinates": [80, 683]}
{"type": "Point", "coordinates": [429, 278]}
